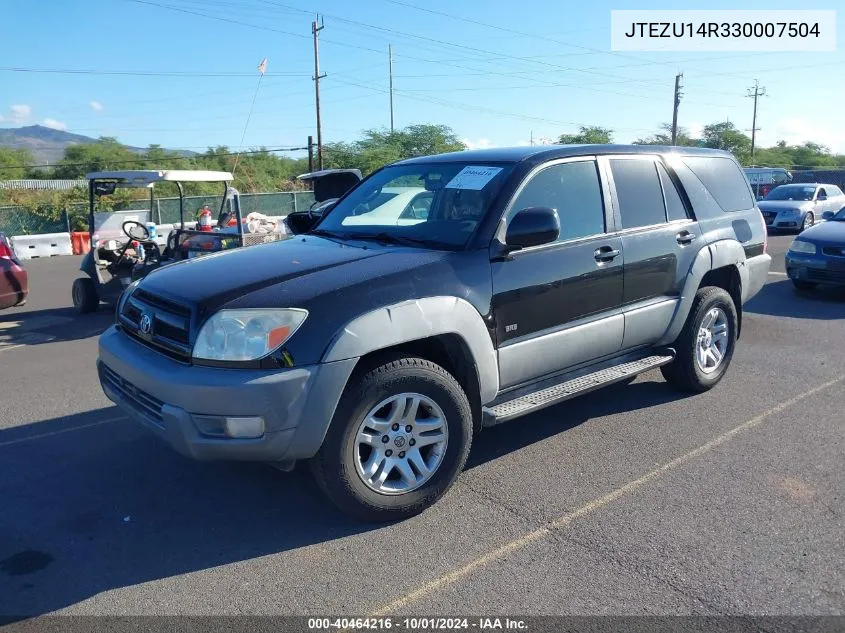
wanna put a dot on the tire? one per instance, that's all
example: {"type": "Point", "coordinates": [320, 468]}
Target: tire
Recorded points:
{"type": "Point", "coordinates": [809, 220]}
{"type": "Point", "coordinates": [84, 295]}
{"type": "Point", "coordinates": [339, 466]}
{"type": "Point", "coordinates": [803, 285]}
{"type": "Point", "coordinates": [686, 372]}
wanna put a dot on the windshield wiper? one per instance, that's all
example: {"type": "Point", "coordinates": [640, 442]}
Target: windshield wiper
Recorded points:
{"type": "Point", "coordinates": [331, 234]}
{"type": "Point", "coordinates": [389, 238]}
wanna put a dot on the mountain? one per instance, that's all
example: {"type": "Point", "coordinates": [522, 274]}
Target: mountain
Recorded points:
{"type": "Point", "coordinates": [46, 144]}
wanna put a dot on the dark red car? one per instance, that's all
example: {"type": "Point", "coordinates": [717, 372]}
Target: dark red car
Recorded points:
{"type": "Point", "coordinates": [13, 280]}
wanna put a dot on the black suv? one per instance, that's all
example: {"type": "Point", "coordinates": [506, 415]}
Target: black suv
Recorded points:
{"type": "Point", "coordinates": [440, 295]}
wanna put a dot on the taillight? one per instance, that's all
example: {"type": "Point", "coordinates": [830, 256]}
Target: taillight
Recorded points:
{"type": "Point", "coordinates": [765, 232]}
{"type": "Point", "coordinates": [5, 250]}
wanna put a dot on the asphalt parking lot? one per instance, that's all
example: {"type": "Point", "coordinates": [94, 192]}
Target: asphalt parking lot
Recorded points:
{"type": "Point", "coordinates": [631, 500]}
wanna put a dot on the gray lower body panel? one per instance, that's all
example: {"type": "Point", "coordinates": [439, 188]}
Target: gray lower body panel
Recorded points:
{"type": "Point", "coordinates": [758, 272]}
{"type": "Point", "coordinates": [297, 405]}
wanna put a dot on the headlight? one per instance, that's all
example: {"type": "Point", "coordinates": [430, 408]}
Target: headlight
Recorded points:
{"type": "Point", "coordinates": [124, 296]}
{"type": "Point", "coordinates": [800, 246]}
{"type": "Point", "coordinates": [240, 335]}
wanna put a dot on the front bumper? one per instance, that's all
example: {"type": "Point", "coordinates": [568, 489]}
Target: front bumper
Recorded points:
{"type": "Point", "coordinates": [816, 269]}
{"type": "Point", "coordinates": [166, 397]}
{"type": "Point", "coordinates": [781, 221]}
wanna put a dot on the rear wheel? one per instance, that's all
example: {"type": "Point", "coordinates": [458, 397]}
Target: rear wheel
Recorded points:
{"type": "Point", "coordinates": [803, 285]}
{"type": "Point", "coordinates": [399, 439]}
{"type": "Point", "coordinates": [706, 344]}
{"type": "Point", "coordinates": [84, 294]}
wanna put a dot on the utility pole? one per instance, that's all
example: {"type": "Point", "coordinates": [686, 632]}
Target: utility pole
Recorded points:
{"type": "Point", "coordinates": [532, 138]}
{"type": "Point", "coordinates": [315, 30]}
{"type": "Point", "coordinates": [677, 102]}
{"type": "Point", "coordinates": [390, 69]}
{"type": "Point", "coordinates": [754, 93]}
{"type": "Point", "coordinates": [310, 153]}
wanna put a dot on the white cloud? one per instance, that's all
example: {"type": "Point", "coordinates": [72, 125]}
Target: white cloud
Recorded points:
{"type": "Point", "coordinates": [796, 131]}
{"type": "Point", "coordinates": [54, 124]}
{"type": "Point", "coordinates": [96, 106]}
{"type": "Point", "coordinates": [481, 143]}
{"type": "Point", "coordinates": [695, 129]}
{"type": "Point", "coordinates": [19, 113]}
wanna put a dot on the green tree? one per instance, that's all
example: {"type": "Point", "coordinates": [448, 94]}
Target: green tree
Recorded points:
{"type": "Point", "coordinates": [15, 163]}
{"type": "Point", "coordinates": [727, 137]}
{"type": "Point", "coordinates": [587, 134]}
{"type": "Point", "coordinates": [664, 137]}
{"type": "Point", "coordinates": [105, 154]}
{"type": "Point", "coordinates": [378, 147]}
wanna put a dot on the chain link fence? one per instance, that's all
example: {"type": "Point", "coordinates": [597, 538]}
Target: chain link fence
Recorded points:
{"type": "Point", "coordinates": [20, 221]}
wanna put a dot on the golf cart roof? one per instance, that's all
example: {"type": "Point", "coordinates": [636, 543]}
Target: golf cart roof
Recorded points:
{"type": "Point", "coordinates": [145, 178]}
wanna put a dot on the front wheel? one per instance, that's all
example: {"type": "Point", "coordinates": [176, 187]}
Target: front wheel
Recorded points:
{"type": "Point", "coordinates": [84, 294]}
{"type": "Point", "coordinates": [800, 284]}
{"type": "Point", "coordinates": [706, 344]}
{"type": "Point", "coordinates": [809, 220]}
{"type": "Point", "coordinates": [399, 439]}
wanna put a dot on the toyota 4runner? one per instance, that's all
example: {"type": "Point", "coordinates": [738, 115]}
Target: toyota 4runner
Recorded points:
{"type": "Point", "coordinates": [379, 342]}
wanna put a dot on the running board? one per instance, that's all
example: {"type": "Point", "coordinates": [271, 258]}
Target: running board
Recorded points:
{"type": "Point", "coordinates": [568, 389]}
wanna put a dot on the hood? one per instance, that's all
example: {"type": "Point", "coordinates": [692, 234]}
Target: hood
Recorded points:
{"type": "Point", "coordinates": [213, 280]}
{"type": "Point", "coordinates": [830, 232]}
{"type": "Point", "coordinates": [783, 205]}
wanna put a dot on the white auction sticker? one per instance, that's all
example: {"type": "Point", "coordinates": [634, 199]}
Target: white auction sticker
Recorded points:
{"type": "Point", "coordinates": [473, 177]}
{"type": "Point", "coordinates": [723, 30]}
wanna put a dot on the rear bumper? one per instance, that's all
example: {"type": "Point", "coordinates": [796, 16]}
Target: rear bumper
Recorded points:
{"type": "Point", "coordinates": [757, 269]}
{"type": "Point", "coordinates": [815, 270]}
{"type": "Point", "coordinates": [168, 398]}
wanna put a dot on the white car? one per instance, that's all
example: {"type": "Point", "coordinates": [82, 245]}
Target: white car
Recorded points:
{"type": "Point", "coordinates": [393, 206]}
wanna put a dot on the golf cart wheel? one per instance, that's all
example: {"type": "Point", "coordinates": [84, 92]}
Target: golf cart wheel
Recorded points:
{"type": "Point", "coordinates": [399, 438]}
{"type": "Point", "coordinates": [85, 297]}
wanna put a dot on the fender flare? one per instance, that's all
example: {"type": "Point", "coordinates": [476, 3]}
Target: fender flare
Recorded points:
{"type": "Point", "coordinates": [716, 255]}
{"type": "Point", "coordinates": [417, 319]}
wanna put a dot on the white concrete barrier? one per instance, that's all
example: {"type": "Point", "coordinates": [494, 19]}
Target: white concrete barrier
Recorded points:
{"type": "Point", "coordinates": [47, 245]}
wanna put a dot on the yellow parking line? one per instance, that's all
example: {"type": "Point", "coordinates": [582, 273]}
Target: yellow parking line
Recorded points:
{"type": "Point", "coordinates": [59, 432]}
{"type": "Point", "coordinates": [591, 506]}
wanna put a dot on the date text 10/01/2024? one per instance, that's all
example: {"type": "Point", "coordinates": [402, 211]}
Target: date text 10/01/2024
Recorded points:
{"type": "Point", "coordinates": [723, 29]}
{"type": "Point", "coordinates": [417, 623]}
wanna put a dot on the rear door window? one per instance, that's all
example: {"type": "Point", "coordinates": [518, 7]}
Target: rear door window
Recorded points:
{"type": "Point", "coordinates": [723, 179]}
{"type": "Point", "coordinates": [675, 209]}
{"type": "Point", "coordinates": [638, 191]}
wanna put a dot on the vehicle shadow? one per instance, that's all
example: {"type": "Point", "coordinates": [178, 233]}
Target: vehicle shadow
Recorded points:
{"type": "Point", "coordinates": [92, 502]}
{"type": "Point", "coordinates": [497, 441]}
{"type": "Point", "coordinates": [36, 327]}
{"type": "Point", "coordinates": [781, 298]}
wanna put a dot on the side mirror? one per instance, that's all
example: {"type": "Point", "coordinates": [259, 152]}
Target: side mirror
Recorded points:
{"type": "Point", "coordinates": [827, 215]}
{"type": "Point", "coordinates": [532, 227]}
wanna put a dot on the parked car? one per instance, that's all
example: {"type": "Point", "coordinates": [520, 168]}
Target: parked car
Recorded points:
{"type": "Point", "coordinates": [800, 206]}
{"type": "Point", "coordinates": [817, 255]}
{"type": "Point", "coordinates": [393, 206]}
{"type": "Point", "coordinates": [377, 351]}
{"type": "Point", "coordinates": [13, 278]}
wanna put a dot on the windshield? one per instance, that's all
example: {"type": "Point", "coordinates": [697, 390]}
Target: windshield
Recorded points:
{"type": "Point", "coordinates": [791, 192]}
{"type": "Point", "coordinates": [431, 204]}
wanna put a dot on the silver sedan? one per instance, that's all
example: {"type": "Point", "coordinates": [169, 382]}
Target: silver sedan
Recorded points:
{"type": "Point", "coordinates": [799, 206]}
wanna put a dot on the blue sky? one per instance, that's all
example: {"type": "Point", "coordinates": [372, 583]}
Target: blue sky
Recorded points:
{"type": "Point", "coordinates": [493, 86]}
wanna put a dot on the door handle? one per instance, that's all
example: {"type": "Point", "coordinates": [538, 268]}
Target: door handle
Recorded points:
{"type": "Point", "coordinates": [606, 254]}
{"type": "Point", "coordinates": [684, 237]}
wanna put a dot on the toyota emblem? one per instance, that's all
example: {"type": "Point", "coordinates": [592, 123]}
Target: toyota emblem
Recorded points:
{"type": "Point", "coordinates": [146, 324]}
{"type": "Point", "coordinates": [399, 441]}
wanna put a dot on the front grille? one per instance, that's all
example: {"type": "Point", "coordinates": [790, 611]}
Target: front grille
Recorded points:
{"type": "Point", "coordinates": [139, 400]}
{"type": "Point", "coordinates": [169, 329]}
{"type": "Point", "coordinates": [816, 274]}
{"type": "Point", "coordinates": [834, 251]}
